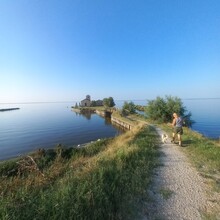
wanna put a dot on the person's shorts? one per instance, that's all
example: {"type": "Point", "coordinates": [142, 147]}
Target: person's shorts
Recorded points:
{"type": "Point", "coordinates": [178, 130]}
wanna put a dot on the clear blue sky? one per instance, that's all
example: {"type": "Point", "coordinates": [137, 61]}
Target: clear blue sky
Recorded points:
{"type": "Point", "coordinates": [53, 50]}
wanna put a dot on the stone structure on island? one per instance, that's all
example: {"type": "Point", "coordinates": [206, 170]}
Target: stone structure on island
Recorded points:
{"type": "Point", "coordinates": [86, 102]}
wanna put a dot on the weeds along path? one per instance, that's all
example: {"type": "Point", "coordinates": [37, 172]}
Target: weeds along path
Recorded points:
{"type": "Point", "coordinates": [177, 192]}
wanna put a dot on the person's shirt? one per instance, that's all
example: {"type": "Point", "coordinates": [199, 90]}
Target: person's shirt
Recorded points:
{"type": "Point", "coordinates": [179, 122]}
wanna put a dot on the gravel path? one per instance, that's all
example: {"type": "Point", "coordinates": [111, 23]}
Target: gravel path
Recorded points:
{"type": "Point", "coordinates": [178, 191]}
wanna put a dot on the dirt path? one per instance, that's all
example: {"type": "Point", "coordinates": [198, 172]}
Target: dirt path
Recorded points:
{"type": "Point", "coordinates": [178, 191]}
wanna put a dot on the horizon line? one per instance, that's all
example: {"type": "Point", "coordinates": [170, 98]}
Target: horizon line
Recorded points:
{"type": "Point", "coordinates": [44, 102]}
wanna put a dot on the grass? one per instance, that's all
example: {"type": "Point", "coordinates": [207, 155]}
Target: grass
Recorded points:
{"type": "Point", "coordinates": [105, 180]}
{"type": "Point", "coordinates": [129, 120]}
{"type": "Point", "coordinates": [101, 181]}
{"type": "Point", "coordinates": [166, 193]}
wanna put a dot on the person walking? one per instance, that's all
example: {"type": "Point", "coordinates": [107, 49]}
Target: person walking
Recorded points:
{"type": "Point", "coordinates": [177, 128]}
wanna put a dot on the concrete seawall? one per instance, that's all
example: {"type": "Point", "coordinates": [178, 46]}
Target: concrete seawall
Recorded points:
{"type": "Point", "coordinates": [121, 123]}
{"type": "Point", "coordinates": [104, 113]}
{"type": "Point", "coordinates": [101, 113]}
{"type": "Point", "coordinates": [114, 120]}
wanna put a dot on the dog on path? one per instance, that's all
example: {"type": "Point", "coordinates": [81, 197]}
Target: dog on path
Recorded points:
{"type": "Point", "coordinates": [164, 138]}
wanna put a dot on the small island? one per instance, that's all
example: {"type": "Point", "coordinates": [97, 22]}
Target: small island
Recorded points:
{"type": "Point", "coordinates": [8, 109]}
{"type": "Point", "coordinates": [106, 109]}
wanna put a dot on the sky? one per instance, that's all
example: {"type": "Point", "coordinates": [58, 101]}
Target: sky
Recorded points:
{"type": "Point", "coordinates": [52, 50]}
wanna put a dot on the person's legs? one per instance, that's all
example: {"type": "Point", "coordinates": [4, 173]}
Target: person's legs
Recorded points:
{"type": "Point", "coordinates": [173, 137]}
{"type": "Point", "coordinates": [180, 139]}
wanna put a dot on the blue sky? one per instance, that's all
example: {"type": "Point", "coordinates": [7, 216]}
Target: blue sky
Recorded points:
{"type": "Point", "coordinates": [129, 49]}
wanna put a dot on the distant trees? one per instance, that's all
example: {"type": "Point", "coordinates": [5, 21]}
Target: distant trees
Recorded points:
{"type": "Point", "coordinates": [161, 110]}
{"type": "Point", "coordinates": [108, 102]}
{"type": "Point", "coordinates": [93, 103]}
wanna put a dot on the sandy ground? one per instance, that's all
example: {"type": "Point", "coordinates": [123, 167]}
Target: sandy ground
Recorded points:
{"type": "Point", "coordinates": [178, 191]}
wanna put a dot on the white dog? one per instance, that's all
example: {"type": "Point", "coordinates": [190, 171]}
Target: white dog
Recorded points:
{"type": "Point", "coordinates": [164, 138]}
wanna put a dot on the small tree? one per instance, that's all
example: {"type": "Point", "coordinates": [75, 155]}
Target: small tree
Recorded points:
{"type": "Point", "coordinates": [128, 108]}
{"type": "Point", "coordinates": [161, 110]}
{"type": "Point", "coordinates": [108, 102]}
{"type": "Point", "coordinates": [93, 103]}
{"type": "Point", "coordinates": [76, 105]}
{"type": "Point", "coordinates": [156, 109]}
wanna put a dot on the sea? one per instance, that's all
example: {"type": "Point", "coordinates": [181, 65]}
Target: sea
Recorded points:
{"type": "Point", "coordinates": [45, 125]}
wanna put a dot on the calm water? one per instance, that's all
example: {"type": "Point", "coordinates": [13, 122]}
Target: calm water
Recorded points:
{"type": "Point", "coordinates": [205, 112]}
{"type": "Point", "coordinates": [46, 125]}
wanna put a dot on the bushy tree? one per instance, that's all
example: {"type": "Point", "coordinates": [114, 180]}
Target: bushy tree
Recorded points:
{"type": "Point", "coordinates": [162, 109]}
{"type": "Point", "coordinates": [108, 102]}
{"type": "Point", "coordinates": [140, 108]}
{"type": "Point", "coordinates": [128, 108]}
{"type": "Point", "coordinates": [93, 103]}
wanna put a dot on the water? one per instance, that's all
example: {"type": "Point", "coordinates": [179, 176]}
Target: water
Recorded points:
{"type": "Point", "coordinates": [205, 113]}
{"type": "Point", "coordinates": [46, 125]}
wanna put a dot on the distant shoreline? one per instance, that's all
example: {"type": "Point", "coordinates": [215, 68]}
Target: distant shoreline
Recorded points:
{"type": "Point", "coordinates": [8, 109]}
{"type": "Point", "coordinates": [119, 100]}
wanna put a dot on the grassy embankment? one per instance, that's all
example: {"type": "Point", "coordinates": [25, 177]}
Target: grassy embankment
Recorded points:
{"type": "Point", "coordinates": [104, 180]}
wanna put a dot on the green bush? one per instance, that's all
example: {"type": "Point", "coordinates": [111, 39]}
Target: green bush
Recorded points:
{"type": "Point", "coordinates": [128, 108]}
{"type": "Point", "coordinates": [108, 102]}
{"type": "Point", "coordinates": [162, 109]}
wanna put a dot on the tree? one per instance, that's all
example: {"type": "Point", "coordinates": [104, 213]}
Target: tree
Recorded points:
{"type": "Point", "coordinates": [156, 110]}
{"type": "Point", "coordinates": [76, 105]}
{"type": "Point", "coordinates": [93, 103]}
{"type": "Point", "coordinates": [128, 108]}
{"type": "Point", "coordinates": [108, 102]}
{"type": "Point", "coordinates": [161, 110]}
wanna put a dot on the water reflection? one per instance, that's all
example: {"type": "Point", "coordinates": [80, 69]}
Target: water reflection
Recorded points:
{"type": "Point", "coordinates": [45, 125]}
{"type": "Point", "coordinates": [108, 121]}
{"type": "Point", "coordinates": [86, 115]}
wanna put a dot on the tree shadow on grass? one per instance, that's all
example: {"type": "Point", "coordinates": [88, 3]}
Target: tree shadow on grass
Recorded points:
{"type": "Point", "coordinates": [187, 143]}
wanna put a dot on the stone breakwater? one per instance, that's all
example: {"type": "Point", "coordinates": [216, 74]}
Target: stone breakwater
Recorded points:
{"type": "Point", "coordinates": [114, 120]}
{"type": "Point", "coordinates": [105, 113]}
{"type": "Point", "coordinates": [121, 123]}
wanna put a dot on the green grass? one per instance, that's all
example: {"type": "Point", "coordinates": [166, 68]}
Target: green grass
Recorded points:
{"type": "Point", "coordinates": [166, 193]}
{"type": "Point", "coordinates": [102, 181]}
{"type": "Point", "coordinates": [108, 179]}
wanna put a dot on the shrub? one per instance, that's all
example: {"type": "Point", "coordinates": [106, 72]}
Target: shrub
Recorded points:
{"type": "Point", "coordinates": [161, 110]}
{"type": "Point", "coordinates": [108, 102]}
{"type": "Point", "coordinates": [128, 108]}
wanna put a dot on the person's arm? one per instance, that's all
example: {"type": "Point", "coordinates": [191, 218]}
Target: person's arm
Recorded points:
{"type": "Point", "coordinates": [174, 122]}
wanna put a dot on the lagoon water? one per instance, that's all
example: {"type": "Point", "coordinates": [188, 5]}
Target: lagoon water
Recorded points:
{"type": "Point", "coordinates": [44, 125]}
{"type": "Point", "coordinates": [206, 114]}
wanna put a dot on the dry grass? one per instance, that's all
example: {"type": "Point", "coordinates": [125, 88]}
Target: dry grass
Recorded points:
{"type": "Point", "coordinates": [96, 182]}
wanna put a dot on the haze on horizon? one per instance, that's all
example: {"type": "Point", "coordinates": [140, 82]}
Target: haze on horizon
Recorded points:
{"type": "Point", "coordinates": [63, 50]}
